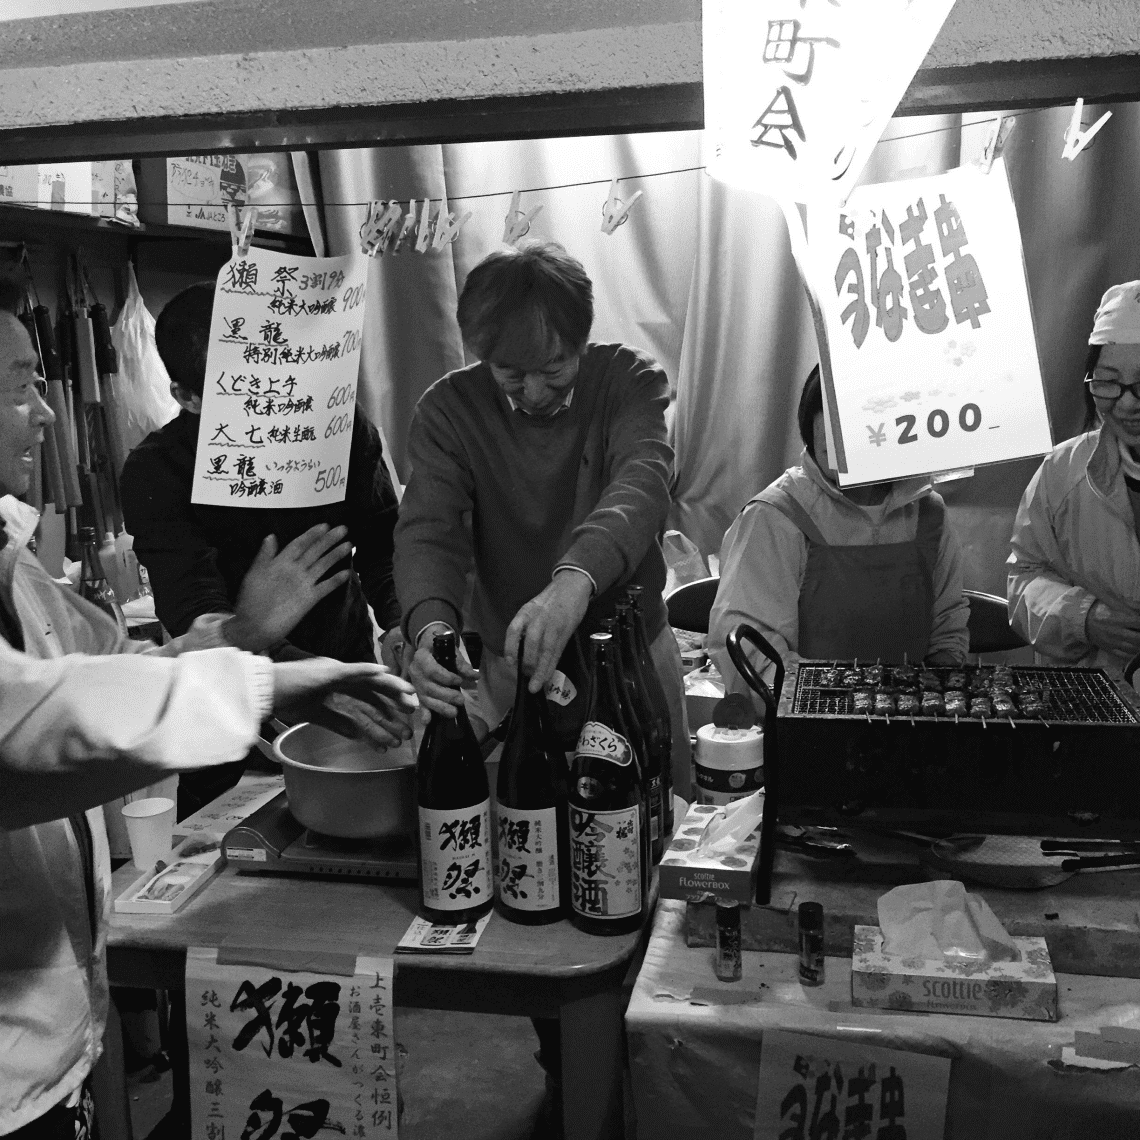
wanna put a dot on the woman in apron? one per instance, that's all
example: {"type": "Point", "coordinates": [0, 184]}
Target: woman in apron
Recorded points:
{"type": "Point", "coordinates": [868, 572]}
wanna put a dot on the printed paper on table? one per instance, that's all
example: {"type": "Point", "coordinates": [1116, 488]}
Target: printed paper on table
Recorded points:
{"type": "Point", "coordinates": [280, 393]}
{"type": "Point", "coordinates": [920, 288]}
{"type": "Point", "coordinates": [830, 1087]}
{"type": "Point", "coordinates": [275, 1052]}
{"type": "Point", "coordinates": [797, 92]}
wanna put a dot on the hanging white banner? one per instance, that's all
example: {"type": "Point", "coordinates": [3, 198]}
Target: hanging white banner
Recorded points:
{"type": "Point", "coordinates": [280, 393]}
{"type": "Point", "coordinates": [280, 1053]}
{"type": "Point", "coordinates": [797, 92]}
{"type": "Point", "coordinates": [920, 288]}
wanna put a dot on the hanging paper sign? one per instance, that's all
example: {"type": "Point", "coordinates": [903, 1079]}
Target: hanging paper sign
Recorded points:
{"type": "Point", "coordinates": [797, 92]}
{"type": "Point", "coordinates": [920, 287]}
{"type": "Point", "coordinates": [201, 188]}
{"type": "Point", "coordinates": [278, 1053]}
{"type": "Point", "coordinates": [820, 1086]}
{"type": "Point", "coordinates": [280, 393]}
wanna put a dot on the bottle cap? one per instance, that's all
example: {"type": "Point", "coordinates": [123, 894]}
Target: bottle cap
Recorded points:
{"type": "Point", "coordinates": [87, 534]}
{"type": "Point", "coordinates": [811, 915]}
{"type": "Point", "coordinates": [727, 904]}
{"type": "Point", "coordinates": [601, 636]}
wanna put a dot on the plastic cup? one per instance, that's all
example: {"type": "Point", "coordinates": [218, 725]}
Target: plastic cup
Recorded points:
{"type": "Point", "coordinates": [150, 827]}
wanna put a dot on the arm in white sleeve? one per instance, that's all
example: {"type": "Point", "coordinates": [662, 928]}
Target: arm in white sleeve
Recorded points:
{"type": "Point", "coordinates": [949, 632]}
{"type": "Point", "coordinates": [77, 731]}
{"type": "Point", "coordinates": [762, 563]}
{"type": "Point", "coordinates": [1045, 607]}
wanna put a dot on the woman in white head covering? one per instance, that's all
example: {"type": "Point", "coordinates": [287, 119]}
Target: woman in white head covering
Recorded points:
{"type": "Point", "coordinates": [1074, 581]}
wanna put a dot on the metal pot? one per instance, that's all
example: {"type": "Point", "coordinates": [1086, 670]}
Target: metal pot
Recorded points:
{"type": "Point", "coordinates": [346, 788]}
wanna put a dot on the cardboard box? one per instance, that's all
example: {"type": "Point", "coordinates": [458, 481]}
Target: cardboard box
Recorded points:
{"type": "Point", "coordinates": [687, 876]}
{"type": "Point", "coordinates": [1025, 989]}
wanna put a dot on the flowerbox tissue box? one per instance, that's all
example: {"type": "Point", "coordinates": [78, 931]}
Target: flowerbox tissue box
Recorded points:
{"type": "Point", "coordinates": [1025, 989]}
{"type": "Point", "coordinates": [683, 874]}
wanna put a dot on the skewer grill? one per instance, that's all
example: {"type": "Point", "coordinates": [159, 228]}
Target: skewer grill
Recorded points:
{"type": "Point", "coordinates": [1073, 769]}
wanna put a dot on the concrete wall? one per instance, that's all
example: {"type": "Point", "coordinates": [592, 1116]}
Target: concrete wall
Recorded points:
{"type": "Point", "coordinates": [225, 56]}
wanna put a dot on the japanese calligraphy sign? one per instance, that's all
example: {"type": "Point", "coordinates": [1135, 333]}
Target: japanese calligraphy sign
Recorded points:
{"type": "Point", "coordinates": [920, 287]}
{"type": "Point", "coordinates": [797, 92]}
{"type": "Point", "coordinates": [280, 393]}
{"type": "Point", "coordinates": [818, 1086]}
{"type": "Point", "coordinates": [283, 1055]}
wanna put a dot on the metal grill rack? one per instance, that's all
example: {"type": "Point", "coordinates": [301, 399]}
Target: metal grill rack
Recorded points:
{"type": "Point", "coordinates": [1076, 695]}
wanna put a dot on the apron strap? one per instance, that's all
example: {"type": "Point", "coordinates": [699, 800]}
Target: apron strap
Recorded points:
{"type": "Point", "coordinates": [793, 511]}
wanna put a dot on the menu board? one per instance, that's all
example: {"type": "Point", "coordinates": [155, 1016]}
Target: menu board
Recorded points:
{"type": "Point", "coordinates": [922, 307]}
{"type": "Point", "coordinates": [280, 393]}
{"type": "Point", "coordinates": [279, 1052]}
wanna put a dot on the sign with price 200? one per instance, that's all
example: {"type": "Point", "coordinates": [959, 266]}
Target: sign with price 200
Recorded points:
{"type": "Point", "coordinates": [280, 393]}
{"type": "Point", "coordinates": [920, 287]}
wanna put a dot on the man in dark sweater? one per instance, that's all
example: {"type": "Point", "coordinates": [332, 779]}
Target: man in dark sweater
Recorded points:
{"type": "Point", "coordinates": [545, 469]}
{"type": "Point", "coordinates": [196, 556]}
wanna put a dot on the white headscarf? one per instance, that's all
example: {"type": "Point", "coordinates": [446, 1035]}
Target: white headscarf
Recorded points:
{"type": "Point", "coordinates": [1117, 319]}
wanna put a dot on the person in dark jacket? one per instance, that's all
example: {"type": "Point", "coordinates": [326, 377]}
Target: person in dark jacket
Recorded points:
{"type": "Point", "coordinates": [197, 555]}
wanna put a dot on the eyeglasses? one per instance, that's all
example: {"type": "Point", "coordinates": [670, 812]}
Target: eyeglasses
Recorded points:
{"type": "Point", "coordinates": [40, 385]}
{"type": "Point", "coordinates": [1111, 389]}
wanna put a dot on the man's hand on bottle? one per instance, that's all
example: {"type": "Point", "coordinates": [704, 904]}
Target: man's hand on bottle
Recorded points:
{"type": "Point", "coordinates": [297, 682]}
{"type": "Point", "coordinates": [547, 623]}
{"type": "Point", "coordinates": [280, 588]}
{"type": "Point", "coordinates": [438, 690]}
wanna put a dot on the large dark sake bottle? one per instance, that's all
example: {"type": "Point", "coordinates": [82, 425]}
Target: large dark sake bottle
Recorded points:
{"type": "Point", "coordinates": [456, 881]}
{"type": "Point", "coordinates": [606, 810]}
{"type": "Point", "coordinates": [534, 849]}
{"type": "Point", "coordinates": [656, 693]}
{"type": "Point", "coordinates": [655, 736]}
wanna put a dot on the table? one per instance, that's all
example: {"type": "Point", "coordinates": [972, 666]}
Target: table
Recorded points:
{"type": "Point", "coordinates": [551, 971]}
{"type": "Point", "coordinates": [695, 1067]}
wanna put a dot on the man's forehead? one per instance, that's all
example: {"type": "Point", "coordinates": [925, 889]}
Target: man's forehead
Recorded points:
{"type": "Point", "coordinates": [16, 349]}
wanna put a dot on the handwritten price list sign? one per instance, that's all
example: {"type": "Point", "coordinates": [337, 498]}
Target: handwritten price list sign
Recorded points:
{"type": "Point", "coordinates": [291, 1055]}
{"type": "Point", "coordinates": [815, 1087]}
{"type": "Point", "coordinates": [922, 291]}
{"type": "Point", "coordinates": [280, 393]}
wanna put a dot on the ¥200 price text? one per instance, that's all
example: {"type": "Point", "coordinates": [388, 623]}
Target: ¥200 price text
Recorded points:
{"type": "Point", "coordinates": [937, 424]}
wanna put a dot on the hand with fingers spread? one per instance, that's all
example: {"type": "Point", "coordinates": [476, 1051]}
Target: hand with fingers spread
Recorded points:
{"type": "Point", "coordinates": [438, 690]}
{"type": "Point", "coordinates": [281, 588]}
{"type": "Point", "coordinates": [384, 723]}
{"type": "Point", "coordinates": [364, 682]}
{"type": "Point", "coordinates": [547, 623]}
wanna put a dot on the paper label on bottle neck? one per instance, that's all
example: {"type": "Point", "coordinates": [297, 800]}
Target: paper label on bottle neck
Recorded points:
{"type": "Point", "coordinates": [455, 856]}
{"type": "Point", "coordinates": [528, 858]}
{"type": "Point", "coordinates": [600, 740]}
{"type": "Point", "coordinates": [560, 689]}
{"type": "Point", "coordinates": [605, 862]}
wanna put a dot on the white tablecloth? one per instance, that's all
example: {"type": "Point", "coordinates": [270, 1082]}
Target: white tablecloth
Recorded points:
{"type": "Point", "coordinates": [694, 1046]}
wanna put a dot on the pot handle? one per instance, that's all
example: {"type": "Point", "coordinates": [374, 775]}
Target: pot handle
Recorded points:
{"type": "Point", "coordinates": [1131, 668]}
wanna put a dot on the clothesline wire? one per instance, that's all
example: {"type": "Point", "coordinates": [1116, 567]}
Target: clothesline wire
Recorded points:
{"type": "Point", "coordinates": [547, 189]}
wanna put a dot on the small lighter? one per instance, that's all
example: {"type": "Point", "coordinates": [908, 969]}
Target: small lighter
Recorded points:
{"type": "Point", "coordinates": [811, 944]}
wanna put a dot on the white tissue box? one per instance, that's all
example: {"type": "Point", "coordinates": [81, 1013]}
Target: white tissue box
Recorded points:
{"type": "Point", "coordinates": [1025, 989]}
{"type": "Point", "coordinates": [685, 875]}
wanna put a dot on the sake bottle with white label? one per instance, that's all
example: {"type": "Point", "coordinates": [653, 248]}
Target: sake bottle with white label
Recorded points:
{"type": "Point", "coordinates": [534, 856]}
{"type": "Point", "coordinates": [454, 802]}
{"type": "Point", "coordinates": [606, 811]}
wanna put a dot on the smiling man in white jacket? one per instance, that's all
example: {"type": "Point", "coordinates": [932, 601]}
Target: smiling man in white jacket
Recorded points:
{"type": "Point", "coordinates": [86, 716]}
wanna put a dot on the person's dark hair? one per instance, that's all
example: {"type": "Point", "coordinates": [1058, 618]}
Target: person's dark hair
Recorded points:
{"type": "Point", "coordinates": [510, 294]}
{"type": "Point", "coordinates": [811, 405]}
{"type": "Point", "coordinates": [182, 335]}
{"type": "Point", "coordinates": [1092, 416]}
{"type": "Point", "coordinates": [11, 294]}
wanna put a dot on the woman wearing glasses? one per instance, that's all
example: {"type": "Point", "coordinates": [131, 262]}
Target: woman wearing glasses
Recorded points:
{"type": "Point", "coordinates": [1074, 581]}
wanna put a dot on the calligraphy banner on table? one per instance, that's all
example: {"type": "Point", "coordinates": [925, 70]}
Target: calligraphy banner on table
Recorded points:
{"type": "Point", "coordinates": [290, 1054]}
{"type": "Point", "coordinates": [797, 92]}
{"type": "Point", "coordinates": [920, 288]}
{"type": "Point", "coordinates": [821, 1086]}
{"type": "Point", "coordinates": [280, 392]}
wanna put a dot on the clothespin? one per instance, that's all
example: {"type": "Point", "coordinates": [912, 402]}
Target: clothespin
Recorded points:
{"type": "Point", "coordinates": [516, 225]}
{"type": "Point", "coordinates": [447, 226]}
{"type": "Point", "coordinates": [406, 228]}
{"type": "Point", "coordinates": [995, 144]}
{"type": "Point", "coordinates": [380, 228]}
{"type": "Point", "coordinates": [1076, 138]}
{"type": "Point", "coordinates": [424, 228]}
{"type": "Point", "coordinates": [247, 221]}
{"type": "Point", "coordinates": [615, 212]}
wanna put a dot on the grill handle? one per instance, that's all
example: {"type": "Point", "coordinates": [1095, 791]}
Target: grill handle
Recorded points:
{"type": "Point", "coordinates": [1131, 668]}
{"type": "Point", "coordinates": [771, 749]}
{"type": "Point", "coordinates": [748, 671]}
